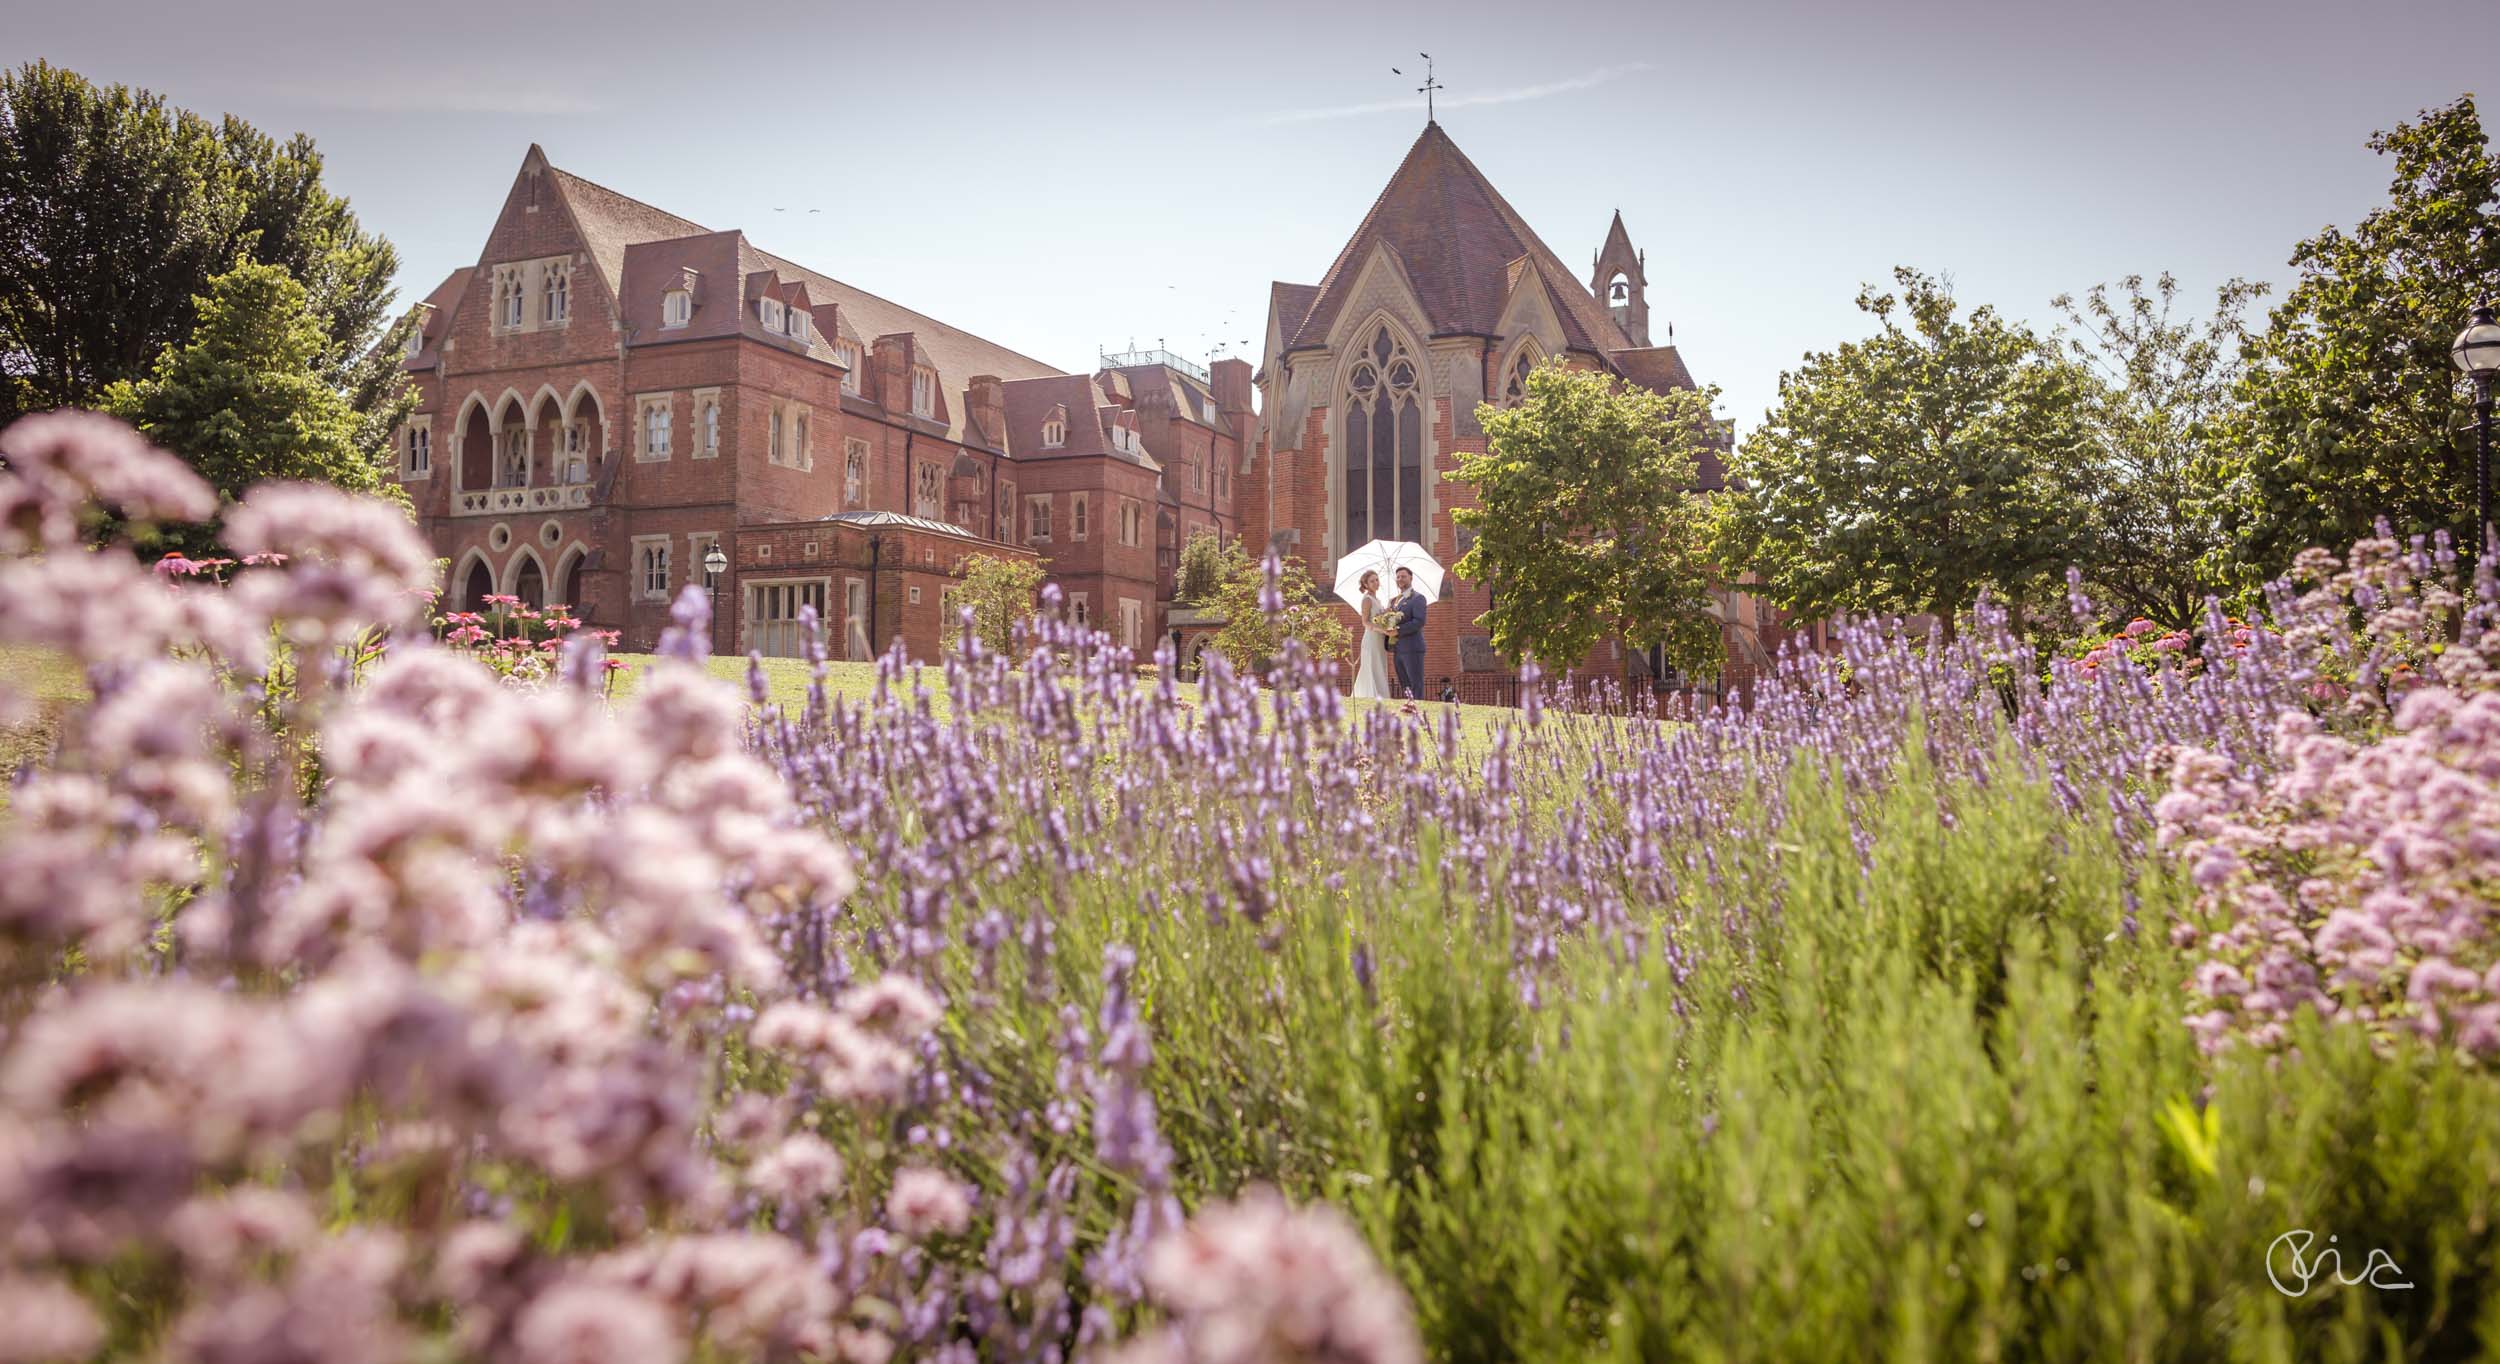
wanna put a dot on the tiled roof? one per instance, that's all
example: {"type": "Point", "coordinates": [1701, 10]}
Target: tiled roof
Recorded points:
{"type": "Point", "coordinates": [440, 305]}
{"type": "Point", "coordinates": [1290, 303]}
{"type": "Point", "coordinates": [1456, 237]}
{"type": "Point", "coordinates": [610, 222]}
{"type": "Point", "coordinates": [1190, 399]}
{"type": "Point", "coordinates": [612, 225]}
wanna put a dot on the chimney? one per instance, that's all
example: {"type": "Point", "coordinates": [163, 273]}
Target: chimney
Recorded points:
{"type": "Point", "coordinates": [988, 407]}
{"type": "Point", "coordinates": [1230, 378]}
{"type": "Point", "coordinates": [889, 372]}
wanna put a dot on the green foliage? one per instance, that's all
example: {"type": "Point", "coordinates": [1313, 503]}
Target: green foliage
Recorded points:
{"type": "Point", "coordinates": [1253, 638]}
{"type": "Point", "coordinates": [1587, 520]}
{"type": "Point", "coordinates": [1000, 594]}
{"type": "Point", "coordinates": [242, 401]}
{"type": "Point", "coordinates": [1207, 561]}
{"type": "Point", "coordinates": [2352, 404]}
{"type": "Point", "coordinates": [1938, 1105]}
{"type": "Point", "coordinates": [1905, 473]}
{"type": "Point", "coordinates": [2164, 403]}
{"type": "Point", "coordinates": [116, 213]}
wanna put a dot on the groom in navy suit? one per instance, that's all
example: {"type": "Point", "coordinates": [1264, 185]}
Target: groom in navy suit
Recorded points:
{"type": "Point", "coordinates": [1409, 648]}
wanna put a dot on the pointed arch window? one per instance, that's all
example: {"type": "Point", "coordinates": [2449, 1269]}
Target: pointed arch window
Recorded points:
{"type": "Point", "coordinates": [1384, 445]}
{"type": "Point", "coordinates": [1516, 390]}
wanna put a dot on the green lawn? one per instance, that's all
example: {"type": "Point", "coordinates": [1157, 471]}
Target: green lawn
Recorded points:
{"type": "Point", "coordinates": [47, 683]}
{"type": "Point", "coordinates": [787, 680]}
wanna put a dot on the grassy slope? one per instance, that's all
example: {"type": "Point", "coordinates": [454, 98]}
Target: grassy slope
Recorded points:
{"type": "Point", "coordinates": [44, 684]}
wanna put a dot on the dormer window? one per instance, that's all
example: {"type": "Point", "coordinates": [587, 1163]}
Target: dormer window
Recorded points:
{"type": "Point", "coordinates": [924, 392]}
{"type": "Point", "coordinates": [849, 355]}
{"type": "Point", "coordinates": [677, 307]}
{"type": "Point", "coordinates": [1054, 432]}
{"type": "Point", "coordinates": [416, 342]}
{"type": "Point", "coordinates": [798, 323]}
{"type": "Point", "coordinates": [772, 314]}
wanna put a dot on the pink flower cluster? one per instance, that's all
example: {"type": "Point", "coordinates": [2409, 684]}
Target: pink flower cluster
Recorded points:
{"type": "Point", "coordinates": [2357, 874]}
{"type": "Point", "coordinates": [1261, 1282]}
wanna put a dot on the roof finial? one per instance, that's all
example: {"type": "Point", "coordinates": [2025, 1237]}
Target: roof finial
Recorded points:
{"type": "Point", "coordinates": [1427, 89]}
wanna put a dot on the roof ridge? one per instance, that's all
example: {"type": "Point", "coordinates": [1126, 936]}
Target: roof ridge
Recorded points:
{"type": "Point", "coordinates": [1345, 254]}
{"type": "Point", "coordinates": [699, 229]}
{"type": "Point", "coordinates": [899, 307]}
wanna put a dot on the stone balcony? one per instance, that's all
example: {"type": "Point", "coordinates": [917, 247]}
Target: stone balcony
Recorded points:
{"type": "Point", "coordinates": [506, 501]}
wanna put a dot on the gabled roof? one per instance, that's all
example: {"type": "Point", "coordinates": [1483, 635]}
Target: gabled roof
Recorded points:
{"type": "Point", "coordinates": [1456, 238]}
{"type": "Point", "coordinates": [1030, 402]}
{"type": "Point", "coordinates": [610, 223]}
{"type": "Point", "coordinates": [1618, 242]}
{"type": "Point", "coordinates": [1190, 399]}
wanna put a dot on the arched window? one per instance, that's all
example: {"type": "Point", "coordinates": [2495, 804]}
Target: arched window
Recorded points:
{"type": "Point", "coordinates": [479, 585]}
{"type": "Point", "coordinates": [530, 585]}
{"type": "Point", "coordinates": [1054, 433]}
{"type": "Point", "coordinates": [559, 292]}
{"type": "Point", "coordinates": [1384, 445]}
{"type": "Point", "coordinates": [1516, 391]}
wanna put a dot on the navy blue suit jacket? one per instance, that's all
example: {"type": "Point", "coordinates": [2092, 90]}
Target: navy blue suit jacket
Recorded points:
{"type": "Point", "coordinates": [1410, 622]}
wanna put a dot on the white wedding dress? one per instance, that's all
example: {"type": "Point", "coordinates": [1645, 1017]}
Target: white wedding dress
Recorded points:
{"type": "Point", "coordinates": [1371, 670]}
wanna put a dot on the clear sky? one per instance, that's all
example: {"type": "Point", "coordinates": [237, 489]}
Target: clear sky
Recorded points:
{"type": "Point", "coordinates": [1062, 178]}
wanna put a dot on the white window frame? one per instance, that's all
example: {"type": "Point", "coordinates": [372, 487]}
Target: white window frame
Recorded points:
{"type": "Point", "coordinates": [771, 309]}
{"type": "Point", "coordinates": [644, 547]}
{"type": "Point", "coordinates": [1132, 622]}
{"type": "Point", "coordinates": [1078, 515]}
{"type": "Point", "coordinates": [928, 490]}
{"type": "Point", "coordinates": [676, 308]}
{"type": "Point", "coordinates": [1054, 434]}
{"type": "Point", "coordinates": [706, 423]}
{"type": "Point", "coordinates": [653, 444]}
{"type": "Point", "coordinates": [1037, 518]}
{"type": "Point", "coordinates": [923, 391]}
{"type": "Point", "coordinates": [800, 456]}
{"type": "Point", "coordinates": [848, 354]}
{"type": "Point", "coordinates": [555, 292]}
{"type": "Point", "coordinates": [774, 423]}
{"type": "Point", "coordinates": [780, 632]}
{"type": "Point", "coordinates": [855, 493]}
{"type": "Point", "coordinates": [416, 450]}
{"type": "Point", "coordinates": [1080, 609]}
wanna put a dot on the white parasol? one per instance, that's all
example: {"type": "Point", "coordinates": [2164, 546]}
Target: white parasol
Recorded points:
{"type": "Point", "coordinates": [1386, 557]}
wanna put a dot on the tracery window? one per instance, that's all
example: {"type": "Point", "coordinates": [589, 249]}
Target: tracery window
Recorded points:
{"type": "Point", "coordinates": [1517, 390]}
{"type": "Point", "coordinates": [512, 469]}
{"type": "Point", "coordinates": [1384, 445]}
{"type": "Point", "coordinates": [559, 281]}
{"type": "Point", "coordinates": [854, 475]}
{"type": "Point", "coordinates": [930, 491]}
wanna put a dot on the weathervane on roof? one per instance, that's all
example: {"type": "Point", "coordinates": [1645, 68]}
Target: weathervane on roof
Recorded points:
{"type": "Point", "coordinates": [1426, 89]}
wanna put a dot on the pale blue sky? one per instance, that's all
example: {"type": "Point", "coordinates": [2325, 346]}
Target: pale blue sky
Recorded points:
{"type": "Point", "coordinates": [1061, 178]}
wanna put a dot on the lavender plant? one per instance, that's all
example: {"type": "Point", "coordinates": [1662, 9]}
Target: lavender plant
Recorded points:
{"type": "Point", "coordinates": [363, 999]}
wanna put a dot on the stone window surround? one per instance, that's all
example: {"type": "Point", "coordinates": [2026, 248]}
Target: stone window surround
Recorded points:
{"type": "Point", "coordinates": [705, 399]}
{"type": "Point", "coordinates": [419, 429]}
{"type": "Point", "coordinates": [642, 575]}
{"type": "Point", "coordinates": [643, 404]}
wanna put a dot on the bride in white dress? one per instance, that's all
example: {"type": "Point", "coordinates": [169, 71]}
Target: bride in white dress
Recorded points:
{"type": "Point", "coordinates": [1371, 670]}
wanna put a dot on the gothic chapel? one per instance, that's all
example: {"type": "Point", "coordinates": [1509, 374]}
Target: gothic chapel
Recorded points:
{"type": "Point", "coordinates": [1369, 381]}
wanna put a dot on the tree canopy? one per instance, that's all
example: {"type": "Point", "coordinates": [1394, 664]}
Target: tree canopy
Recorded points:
{"type": "Point", "coordinates": [2164, 402]}
{"type": "Point", "coordinates": [2350, 403]}
{"type": "Point", "coordinates": [1000, 593]}
{"type": "Point", "coordinates": [243, 401]}
{"type": "Point", "coordinates": [1588, 521]}
{"type": "Point", "coordinates": [1946, 454]}
{"type": "Point", "coordinates": [116, 212]}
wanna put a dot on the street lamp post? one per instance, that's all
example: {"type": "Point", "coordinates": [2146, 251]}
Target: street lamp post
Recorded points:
{"type": "Point", "coordinates": [2477, 352]}
{"type": "Point", "coordinates": [715, 563]}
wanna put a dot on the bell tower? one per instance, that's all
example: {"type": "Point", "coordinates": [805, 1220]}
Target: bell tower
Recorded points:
{"type": "Point", "coordinates": [1621, 284]}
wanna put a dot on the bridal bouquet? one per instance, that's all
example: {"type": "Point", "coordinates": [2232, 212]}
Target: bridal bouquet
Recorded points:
{"type": "Point", "coordinates": [1387, 622]}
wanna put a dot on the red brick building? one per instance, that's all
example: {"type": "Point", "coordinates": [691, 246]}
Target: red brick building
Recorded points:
{"type": "Point", "coordinates": [1369, 382]}
{"type": "Point", "coordinates": [613, 390]}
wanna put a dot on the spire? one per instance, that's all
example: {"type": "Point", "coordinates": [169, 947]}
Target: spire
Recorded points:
{"type": "Point", "coordinates": [1621, 283]}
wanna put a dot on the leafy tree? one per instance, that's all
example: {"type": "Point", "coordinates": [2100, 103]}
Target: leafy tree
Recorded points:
{"type": "Point", "coordinates": [1267, 603]}
{"type": "Point", "coordinates": [2352, 408]}
{"type": "Point", "coordinates": [243, 401]}
{"type": "Point", "coordinates": [2164, 401]}
{"type": "Point", "coordinates": [1000, 594]}
{"type": "Point", "coordinates": [115, 214]}
{"type": "Point", "coordinates": [1206, 561]}
{"type": "Point", "coordinates": [1588, 522]}
{"type": "Point", "coordinates": [1906, 472]}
